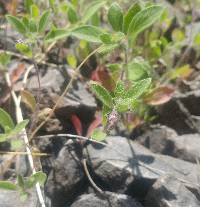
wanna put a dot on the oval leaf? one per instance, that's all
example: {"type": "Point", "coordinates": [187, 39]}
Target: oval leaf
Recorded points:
{"type": "Point", "coordinates": [102, 94]}
{"type": "Point", "coordinates": [159, 96]}
{"type": "Point", "coordinates": [5, 120]}
{"type": "Point", "coordinates": [44, 21]}
{"type": "Point", "coordinates": [138, 88]}
{"type": "Point", "coordinates": [98, 135]}
{"type": "Point", "coordinates": [115, 17]}
{"type": "Point", "coordinates": [144, 19]}
{"type": "Point", "coordinates": [88, 33]}
{"type": "Point", "coordinates": [92, 8]}
{"type": "Point", "coordinates": [129, 16]}
{"type": "Point", "coordinates": [6, 185]}
{"type": "Point", "coordinates": [16, 23]}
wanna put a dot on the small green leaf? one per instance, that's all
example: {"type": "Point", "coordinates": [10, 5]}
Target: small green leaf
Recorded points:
{"type": "Point", "coordinates": [138, 89]}
{"type": "Point", "coordinates": [6, 185]}
{"type": "Point", "coordinates": [16, 23]}
{"type": "Point", "coordinates": [24, 49]}
{"type": "Point", "coordinates": [144, 19]}
{"type": "Point", "coordinates": [119, 89]}
{"type": "Point", "coordinates": [16, 144]}
{"type": "Point", "coordinates": [56, 34]}
{"type": "Point", "coordinates": [102, 93]}
{"type": "Point", "coordinates": [20, 181]}
{"type": "Point", "coordinates": [138, 69]}
{"type": "Point", "coordinates": [28, 99]}
{"type": "Point", "coordinates": [4, 59]}
{"type": "Point", "coordinates": [35, 12]}
{"type": "Point", "coordinates": [25, 21]}
{"type": "Point", "coordinates": [98, 135]}
{"type": "Point", "coordinates": [32, 26]}
{"type": "Point", "coordinates": [71, 59]}
{"type": "Point", "coordinates": [38, 177]}
{"type": "Point", "coordinates": [88, 33]}
{"type": "Point", "coordinates": [71, 13]}
{"type": "Point", "coordinates": [5, 120]}
{"type": "Point", "coordinates": [91, 9]}
{"type": "Point", "coordinates": [129, 16]}
{"type": "Point", "coordinates": [122, 105]}
{"type": "Point", "coordinates": [105, 49]}
{"type": "Point", "coordinates": [27, 5]}
{"type": "Point", "coordinates": [115, 17]}
{"type": "Point", "coordinates": [44, 21]}
{"type": "Point", "coordinates": [106, 38]}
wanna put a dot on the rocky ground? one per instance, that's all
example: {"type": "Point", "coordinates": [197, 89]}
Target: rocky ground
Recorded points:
{"type": "Point", "coordinates": [154, 167]}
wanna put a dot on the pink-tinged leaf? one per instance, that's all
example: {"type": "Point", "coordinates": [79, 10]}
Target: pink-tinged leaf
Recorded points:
{"type": "Point", "coordinates": [159, 96]}
{"type": "Point", "coordinates": [102, 75]}
{"type": "Point", "coordinates": [77, 124]}
{"type": "Point", "coordinates": [95, 123]}
{"type": "Point", "coordinates": [16, 74]}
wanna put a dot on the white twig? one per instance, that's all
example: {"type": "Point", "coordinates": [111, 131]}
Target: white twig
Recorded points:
{"type": "Point", "coordinates": [19, 118]}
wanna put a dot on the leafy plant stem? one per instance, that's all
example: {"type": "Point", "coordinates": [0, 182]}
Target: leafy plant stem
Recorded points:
{"type": "Point", "coordinates": [64, 93]}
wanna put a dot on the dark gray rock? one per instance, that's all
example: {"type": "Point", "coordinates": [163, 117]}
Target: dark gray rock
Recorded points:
{"type": "Point", "coordinates": [127, 166]}
{"type": "Point", "coordinates": [163, 140]}
{"type": "Point", "coordinates": [67, 178]}
{"type": "Point", "coordinates": [12, 198]}
{"type": "Point", "coordinates": [112, 199]}
{"type": "Point", "coordinates": [179, 118]}
{"type": "Point", "coordinates": [167, 191]}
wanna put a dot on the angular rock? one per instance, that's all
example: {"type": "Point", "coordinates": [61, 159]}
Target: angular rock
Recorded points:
{"type": "Point", "coordinates": [112, 199]}
{"type": "Point", "coordinates": [126, 166]}
{"type": "Point", "coordinates": [167, 191]}
{"type": "Point", "coordinates": [67, 178]}
{"type": "Point", "coordinates": [172, 115]}
{"type": "Point", "coordinates": [12, 198]}
{"type": "Point", "coordinates": [161, 139]}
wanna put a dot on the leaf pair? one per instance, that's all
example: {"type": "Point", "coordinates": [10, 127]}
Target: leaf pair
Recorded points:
{"type": "Point", "coordinates": [135, 20]}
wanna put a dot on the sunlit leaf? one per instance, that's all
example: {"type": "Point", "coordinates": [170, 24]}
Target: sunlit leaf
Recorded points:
{"type": "Point", "coordinates": [24, 49]}
{"type": "Point", "coordinates": [35, 12]}
{"type": "Point", "coordinates": [44, 21]}
{"type": "Point", "coordinates": [6, 185]}
{"type": "Point", "coordinates": [138, 88]}
{"type": "Point", "coordinates": [102, 93]}
{"type": "Point", "coordinates": [16, 23]}
{"type": "Point", "coordinates": [71, 60]}
{"type": "Point", "coordinates": [88, 33]}
{"type": "Point", "coordinates": [134, 9]}
{"type": "Point", "coordinates": [143, 19]}
{"type": "Point", "coordinates": [91, 9]}
{"type": "Point", "coordinates": [5, 120]}
{"type": "Point", "coordinates": [115, 17]}
{"type": "Point", "coordinates": [98, 135]}
{"type": "Point", "coordinates": [181, 72]}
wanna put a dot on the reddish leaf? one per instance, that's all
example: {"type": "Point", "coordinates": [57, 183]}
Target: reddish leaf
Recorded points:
{"type": "Point", "coordinates": [95, 123]}
{"type": "Point", "coordinates": [159, 96]}
{"type": "Point", "coordinates": [77, 124]}
{"type": "Point", "coordinates": [16, 74]}
{"type": "Point", "coordinates": [102, 76]}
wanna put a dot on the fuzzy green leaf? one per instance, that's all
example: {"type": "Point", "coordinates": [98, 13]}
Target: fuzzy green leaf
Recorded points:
{"type": "Point", "coordinates": [16, 23]}
{"type": "Point", "coordinates": [144, 19]}
{"type": "Point", "coordinates": [102, 94]}
{"type": "Point", "coordinates": [5, 120]}
{"type": "Point", "coordinates": [24, 49]}
{"type": "Point", "coordinates": [115, 17]}
{"type": "Point", "coordinates": [6, 185]}
{"type": "Point", "coordinates": [38, 177]}
{"type": "Point", "coordinates": [35, 12]}
{"type": "Point", "coordinates": [72, 15]}
{"type": "Point", "coordinates": [56, 34]}
{"type": "Point", "coordinates": [91, 9]}
{"type": "Point", "coordinates": [105, 49]}
{"type": "Point", "coordinates": [129, 16]}
{"type": "Point", "coordinates": [44, 21]}
{"type": "Point", "coordinates": [138, 89]}
{"type": "Point", "coordinates": [138, 70]}
{"type": "Point", "coordinates": [88, 33]}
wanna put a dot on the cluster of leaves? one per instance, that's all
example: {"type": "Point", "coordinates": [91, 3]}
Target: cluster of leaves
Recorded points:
{"type": "Point", "coordinates": [24, 184]}
{"type": "Point", "coordinates": [11, 131]}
